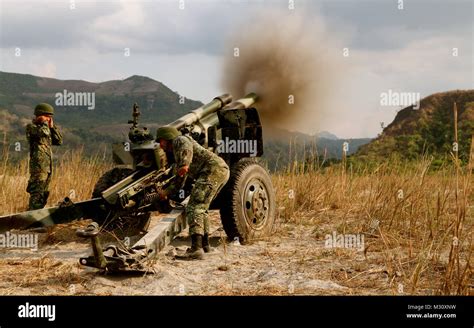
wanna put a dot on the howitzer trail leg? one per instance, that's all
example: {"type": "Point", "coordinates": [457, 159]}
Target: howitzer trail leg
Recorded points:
{"type": "Point", "coordinates": [92, 232]}
{"type": "Point", "coordinates": [67, 211]}
{"type": "Point", "coordinates": [161, 233]}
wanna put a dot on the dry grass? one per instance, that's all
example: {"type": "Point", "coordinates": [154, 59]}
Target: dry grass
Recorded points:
{"type": "Point", "coordinates": [42, 276]}
{"type": "Point", "coordinates": [422, 243]}
{"type": "Point", "coordinates": [418, 223]}
{"type": "Point", "coordinates": [73, 175]}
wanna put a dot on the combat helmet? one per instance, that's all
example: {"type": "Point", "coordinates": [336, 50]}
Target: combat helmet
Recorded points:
{"type": "Point", "coordinates": [44, 109]}
{"type": "Point", "coordinates": [167, 133]}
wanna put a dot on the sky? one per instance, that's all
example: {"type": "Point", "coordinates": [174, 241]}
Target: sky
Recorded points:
{"type": "Point", "coordinates": [183, 44]}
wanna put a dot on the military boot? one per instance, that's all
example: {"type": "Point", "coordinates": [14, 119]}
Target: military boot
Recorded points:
{"type": "Point", "coordinates": [205, 243]}
{"type": "Point", "coordinates": [195, 252]}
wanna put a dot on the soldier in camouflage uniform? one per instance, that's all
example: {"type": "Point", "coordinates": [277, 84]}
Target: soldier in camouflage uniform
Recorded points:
{"type": "Point", "coordinates": [41, 135]}
{"type": "Point", "coordinates": [210, 173]}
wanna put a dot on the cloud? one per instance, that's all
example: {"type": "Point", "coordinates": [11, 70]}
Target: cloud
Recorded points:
{"type": "Point", "coordinates": [381, 25]}
{"type": "Point", "coordinates": [47, 24]}
{"type": "Point", "coordinates": [409, 50]}
{"type": "Point", "coordinates": [425, 66]}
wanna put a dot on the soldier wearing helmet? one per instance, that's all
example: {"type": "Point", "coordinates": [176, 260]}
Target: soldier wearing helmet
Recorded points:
{"type": "Point", "coordinates": [210, 173]}
{"type": "Point", "coordinates": [42, 134]}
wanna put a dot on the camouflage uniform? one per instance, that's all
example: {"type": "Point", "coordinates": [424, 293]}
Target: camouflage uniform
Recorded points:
{"type": "Point", "coordinates": [210, 173]}
{"type": "Point", "coordinates": [40, 138]}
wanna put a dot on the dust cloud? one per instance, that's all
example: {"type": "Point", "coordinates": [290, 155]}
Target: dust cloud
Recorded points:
{"type": "Point", "coordinates": [291, 62]}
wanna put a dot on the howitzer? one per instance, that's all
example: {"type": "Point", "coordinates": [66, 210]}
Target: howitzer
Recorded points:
{"type": "Point", "coordinates": [124, 198]}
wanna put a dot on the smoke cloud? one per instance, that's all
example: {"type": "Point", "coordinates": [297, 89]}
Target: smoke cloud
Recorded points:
{"type": "Point", "coordinates": [290, 62]}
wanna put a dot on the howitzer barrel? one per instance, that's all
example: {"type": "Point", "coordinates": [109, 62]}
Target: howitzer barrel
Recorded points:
{"type": "Point", "coordinates": [244, 102]}
{"type": "Point", "coordinates": [203, 111]}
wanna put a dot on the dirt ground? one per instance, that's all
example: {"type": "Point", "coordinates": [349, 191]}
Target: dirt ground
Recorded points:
{"type": "Point", "coordinates": [293, 261]}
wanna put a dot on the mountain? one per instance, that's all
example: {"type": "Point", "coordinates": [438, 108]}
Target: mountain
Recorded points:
{"type": "Point", "coordinates": [113, 99]}
{"type": "Point", "coordinates": [283, 147]}
{"type": "Point", "coordinates": [327, 135]}
{"type": "Point", "coordinates": [430, 129]}
{"type": "Point", "coordinates": [105, 123]}
{"type": "Point", "coordinates": [96, 129]}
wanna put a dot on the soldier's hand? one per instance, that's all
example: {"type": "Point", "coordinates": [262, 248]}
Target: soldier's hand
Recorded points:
{"type": "Point", "coordinates": [50, 122]}
{"type": "Point", "coordinates": [183, 170]}
{"type": "Point", "coordinates": [41, 119]}
{"type": "Point", "coordinates": [162, 195]}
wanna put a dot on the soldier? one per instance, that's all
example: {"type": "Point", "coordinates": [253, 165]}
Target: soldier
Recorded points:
{"type": "Point", "coordinates": [210, 173]}
{"type": "Point", "coordinates": [41, 135]}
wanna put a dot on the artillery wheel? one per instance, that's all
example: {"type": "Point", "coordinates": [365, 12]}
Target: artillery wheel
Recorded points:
{"type": "Point", "coordinates": [111, 220]}
{"type": "Point", "coordinates": [248, 203]}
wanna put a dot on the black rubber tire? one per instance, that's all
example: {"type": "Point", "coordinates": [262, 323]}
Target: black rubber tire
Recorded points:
{"type": "Point", "coordinates": [235, 209]}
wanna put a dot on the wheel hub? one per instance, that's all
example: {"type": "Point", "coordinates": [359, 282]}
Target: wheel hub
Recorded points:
{"type": "Point", "coordinates": [256, 203]}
